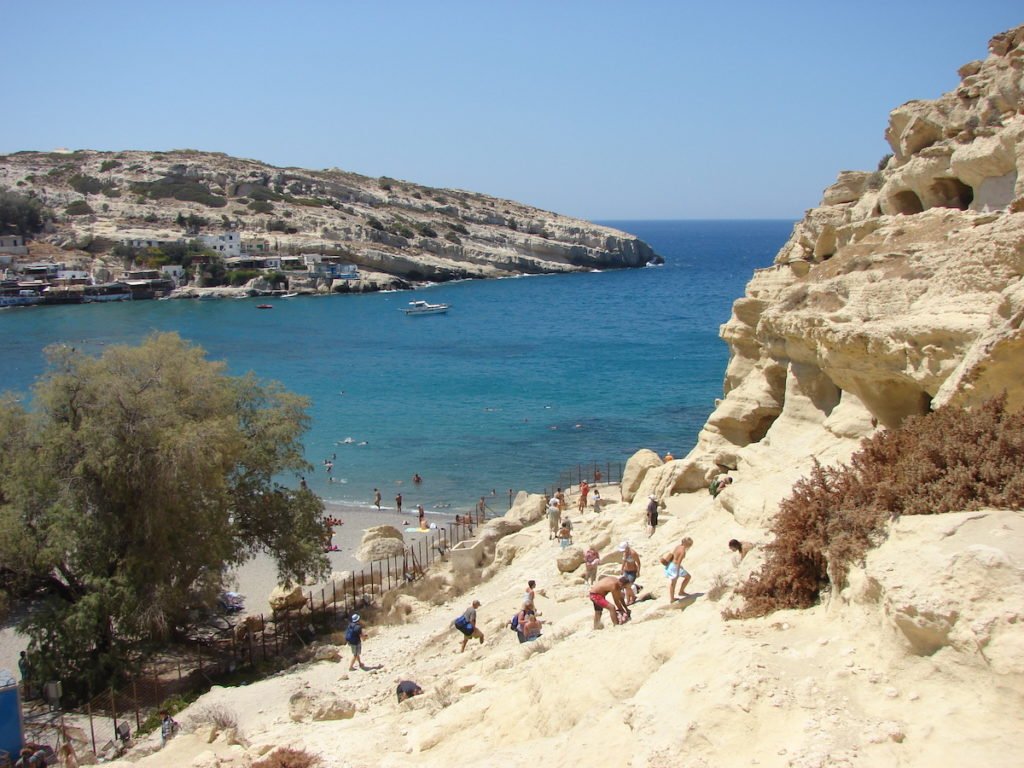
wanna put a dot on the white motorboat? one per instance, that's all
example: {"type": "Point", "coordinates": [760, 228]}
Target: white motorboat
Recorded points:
{"type": "Point", "coordinates": [425, 308]}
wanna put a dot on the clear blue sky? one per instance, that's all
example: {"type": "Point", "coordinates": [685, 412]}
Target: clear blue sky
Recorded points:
{"type": "Point", "coordinates": [599, 109]}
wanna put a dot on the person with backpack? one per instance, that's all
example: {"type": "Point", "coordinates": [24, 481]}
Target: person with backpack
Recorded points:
{"type": "Point", "coordinates": [354, 638]}
{"type": "Point", "coordinates": [466, 624]}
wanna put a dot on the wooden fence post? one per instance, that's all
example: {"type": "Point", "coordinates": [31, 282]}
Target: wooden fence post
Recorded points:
{"type": "Point", "coordinates": [92, 730]}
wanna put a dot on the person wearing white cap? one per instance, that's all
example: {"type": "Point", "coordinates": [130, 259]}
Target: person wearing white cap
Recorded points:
{"type": "Point", "coordinates": [354, 638]}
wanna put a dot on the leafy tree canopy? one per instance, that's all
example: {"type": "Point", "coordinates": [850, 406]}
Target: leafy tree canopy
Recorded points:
{"type": "Point", "coordinates": [20, 215]}
{"type": "Point", "coordinates": [135, 481]}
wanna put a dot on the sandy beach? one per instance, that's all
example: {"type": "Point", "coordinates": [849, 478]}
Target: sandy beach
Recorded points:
{"type": "Point", "coordinates": [257, 578]}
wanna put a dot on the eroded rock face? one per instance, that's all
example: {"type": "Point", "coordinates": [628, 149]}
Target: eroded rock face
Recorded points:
{"type": "Point", "coordinates": [965, 591]}
{"type": "Point", "coordinates": [897, 295]}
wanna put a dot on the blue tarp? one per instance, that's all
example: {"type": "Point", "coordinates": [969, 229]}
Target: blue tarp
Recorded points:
{"type": "Point", "coordinates": [12, 734]}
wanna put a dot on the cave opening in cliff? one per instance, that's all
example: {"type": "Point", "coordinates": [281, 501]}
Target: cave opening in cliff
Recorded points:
{"type": "Point", "coordinates": [906, 202]}
{"type": "Point", "coordinates": [953, 193]}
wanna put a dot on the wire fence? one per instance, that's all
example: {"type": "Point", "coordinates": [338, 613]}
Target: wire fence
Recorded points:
{"type": "Point", "coordinates": [106, 724]}
{"type": "Point", "coordinates": [224, 646]}
{"type": "Point", "coordinates": [595, 473]}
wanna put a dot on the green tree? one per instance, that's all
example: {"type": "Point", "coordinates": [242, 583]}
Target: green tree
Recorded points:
{"type": "Point", "coordinates": [133, 483]}
{"type": "Point", "coordinates": [20, 215]}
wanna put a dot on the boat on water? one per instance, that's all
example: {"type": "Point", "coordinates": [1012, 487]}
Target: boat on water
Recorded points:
{"type": "Point", "coordinates": [289, 295]}
{"type": "Point", "coordinates": [425, 308]}
{"type": "Point", "coordinates": [102, 292]}
{"type": "Point", "coordinates": [264, 306]}
{"type": "Point", "coordinates": [22, 298]}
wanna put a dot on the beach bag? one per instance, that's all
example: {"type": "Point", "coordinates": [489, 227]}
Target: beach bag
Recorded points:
{"type": "Point", "coordinates": [462, 624]}
{"type": "Point", "coordinates": [514, 624]}
{"type": "Point", "coordinates": [352, 634]}
{"type": "Point", "coordinates": [666, 558]}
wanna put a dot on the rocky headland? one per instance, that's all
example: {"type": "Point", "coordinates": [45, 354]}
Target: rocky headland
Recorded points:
{"type": "Point", "coordinates": [397, 233]}
{"type": "Point", "coordinates": [901, 293]}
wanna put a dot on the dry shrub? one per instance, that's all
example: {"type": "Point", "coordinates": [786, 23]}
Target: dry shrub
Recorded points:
{"type": "Point", "coordinates": [949, 460]}
{"type": "Point", "coordinates": [286, 757]}
{"type": "Point", "coordinates": [216, 715]}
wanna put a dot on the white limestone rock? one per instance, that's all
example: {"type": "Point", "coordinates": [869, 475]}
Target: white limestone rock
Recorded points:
{"type": "Point", "coordinates": [636, 467]}
{"type": "Point", "coordinates": [965, 591]}
{"type": "Point", "coordinates": [379, 542]}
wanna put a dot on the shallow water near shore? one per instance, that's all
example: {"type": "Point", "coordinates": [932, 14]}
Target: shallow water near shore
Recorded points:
{"type": "Point", "coordinates": [522, 379]}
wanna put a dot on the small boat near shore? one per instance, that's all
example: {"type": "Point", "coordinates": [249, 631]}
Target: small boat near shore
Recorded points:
{"type": "Point", "coordinates": [289, 295]}
{"type": "Point", "coordinates": [264, 306]}
{"type": "Point", "coordinates": [425, 308]}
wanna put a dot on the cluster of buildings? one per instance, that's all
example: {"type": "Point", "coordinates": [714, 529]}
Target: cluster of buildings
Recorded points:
{"type": "Point", "coordinates": [23, 283]}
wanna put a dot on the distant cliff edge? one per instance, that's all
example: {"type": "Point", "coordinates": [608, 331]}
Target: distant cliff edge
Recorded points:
{"type": "Point", "coordinates": [395, 232]}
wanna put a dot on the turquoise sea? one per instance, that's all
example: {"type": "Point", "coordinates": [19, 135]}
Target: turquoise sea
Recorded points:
{"type": "Point", "coordinates": [522, 379]}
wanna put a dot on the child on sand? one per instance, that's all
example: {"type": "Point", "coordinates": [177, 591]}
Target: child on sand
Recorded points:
{"type": "Point", "coordinates": [591, 558]}
{"type": "Point", "coordinates": [565, 535]}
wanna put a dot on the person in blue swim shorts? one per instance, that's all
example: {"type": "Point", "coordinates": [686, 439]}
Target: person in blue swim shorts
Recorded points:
{"type": "Point", "coordinates": [674, 570]}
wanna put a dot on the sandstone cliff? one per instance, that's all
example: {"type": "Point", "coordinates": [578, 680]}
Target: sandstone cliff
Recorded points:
{"type": "Point", "coordinates": [900, 293]}
{"type": "Point", "coordinates": [392, 229]}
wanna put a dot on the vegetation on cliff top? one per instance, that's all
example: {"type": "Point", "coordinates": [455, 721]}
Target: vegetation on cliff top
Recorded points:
{"type": "Point", "coordinates": [945, 461]}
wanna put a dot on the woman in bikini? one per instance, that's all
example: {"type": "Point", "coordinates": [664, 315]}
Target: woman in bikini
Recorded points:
{"type": "Point", "coordinates": [630, 568]}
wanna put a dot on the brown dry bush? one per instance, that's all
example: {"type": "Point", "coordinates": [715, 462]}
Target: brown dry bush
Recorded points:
{"type": "Point", "coordinates": [286, 757]}
{"type": "Point", "coordinates": [949, 460]}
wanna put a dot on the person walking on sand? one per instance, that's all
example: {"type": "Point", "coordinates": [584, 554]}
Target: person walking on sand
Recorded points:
{"type": "Point", "coordinates": [531, 595]}
{"type": "Point", "coordinates": [376, 499]}
{"type": "Point", "coordinates": [423, 517]}
{"type": "Point", "coordinates": [599, 591]}
{"type": "Point", "coordinates": [466, 624]}
{"type": "Point", "coordinates": [481, 509]}
{"type": "Point", "coordinates": [591, 558]}
{"type": "Point", "coordinates": [354, 638]}
{"type": "Point", "coordinates": [554, 515]}
{"type": "Point", "coordinates": [597, 501]}
{"type": "Point", "coordinates": [652, 514]}
{"type": "Point", "coordinates": [565, 534]}
{"type": "Point", "coordinates": [674, 570]}
{"type": "Point", "coordinates": [398, 503]}
{"type": "Point", "coordinates": [630, 564]}
{"type": "Point", "coordinates": [168, 727]}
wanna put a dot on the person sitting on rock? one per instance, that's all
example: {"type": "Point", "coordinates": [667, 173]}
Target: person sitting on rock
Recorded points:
{"type": "Point", "coordinates": [529, 625]}
{"type": "Point", "coordinates": [719, 484]}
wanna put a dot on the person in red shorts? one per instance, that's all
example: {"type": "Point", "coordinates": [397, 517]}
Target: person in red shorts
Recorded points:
{"type": "Point", "coordinates": [599, 592]}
